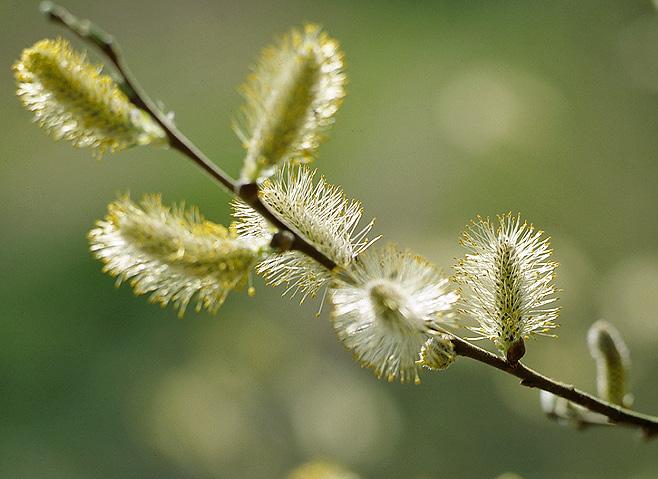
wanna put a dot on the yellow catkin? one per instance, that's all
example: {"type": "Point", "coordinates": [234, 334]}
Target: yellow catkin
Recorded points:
{"type": "Point", "coordinates": [72, 100]}
{"type": "Point", "coordinates": [172, 254]}
{"type": "Point", "coordinates": [291, 98]}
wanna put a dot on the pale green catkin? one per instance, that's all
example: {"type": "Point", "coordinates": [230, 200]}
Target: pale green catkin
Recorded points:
{"type": "Point", "coordinates": [612, 362]}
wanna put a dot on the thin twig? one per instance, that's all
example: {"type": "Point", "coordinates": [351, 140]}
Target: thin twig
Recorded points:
{"type": "Point", "coordinates": [91, 33]}
{"type": "Point", "coordinates": [530, 378]}
{"type": "Point", "coordinates": [292, 239]}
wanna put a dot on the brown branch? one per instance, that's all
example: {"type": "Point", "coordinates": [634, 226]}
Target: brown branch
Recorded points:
{"type": "Point", "coordinates": [91, 33]}
{"type": "Point", "coordinates": [288, 238]}
{"type": "Point", "coordinates": [530, 378]}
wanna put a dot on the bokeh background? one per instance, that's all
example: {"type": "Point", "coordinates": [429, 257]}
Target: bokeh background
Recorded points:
{"type": "Point", "coordinates": [454, 109]}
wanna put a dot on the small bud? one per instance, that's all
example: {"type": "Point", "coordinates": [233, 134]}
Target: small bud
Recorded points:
{"type": "Point", "coordinates": [437, 353]}
{"type": "Point", "coordinates": [612, 362]}
{"type": "Point", "coordinates": [248, 191]}
{"type": "Point", "coordinates": [292, 97]}
{"type": "Point", "coordinates": [282, 240]}
{"type": "Point", "coordinates": [515, 351]}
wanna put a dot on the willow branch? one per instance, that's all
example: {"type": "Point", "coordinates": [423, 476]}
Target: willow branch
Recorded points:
{"type": "Point", "coordinates": [530, 378]}
{"type": "Point", "coordinates": [288, 238]}
{"type": "Point", "coordinates": [91, 33]}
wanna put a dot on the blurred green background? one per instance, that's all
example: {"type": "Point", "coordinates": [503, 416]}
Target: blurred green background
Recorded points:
{"type": "Point", "coordinates": [454, 109]}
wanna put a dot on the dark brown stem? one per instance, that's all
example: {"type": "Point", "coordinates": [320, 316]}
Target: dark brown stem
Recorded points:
{"type": "Point", "coordinates": [298, 243]}
{"type": "Point", "coordinates": [294, 240]}
{"type": "Point", "coordinates": [91, 33]}
{"type": "Point", "coordinates": [530, 378]}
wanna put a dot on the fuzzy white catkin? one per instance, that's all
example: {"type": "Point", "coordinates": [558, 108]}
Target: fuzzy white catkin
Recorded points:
{"type": "Point", "coordinates": [507, 281]}
{"type": "Point", "coordinates": [319, 211]}
{"type": "Point", "coordinates": [386, 308]}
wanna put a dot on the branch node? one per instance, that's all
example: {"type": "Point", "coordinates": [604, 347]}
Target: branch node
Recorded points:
{"type": "Point", "coordinates": [515, 352]}
{"type": "Point", "coordinates": [282, 240]}
{"type": "Point", "coordinates": [529, 382]}
{"type": "Point", "coordinates": [247, 191]}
